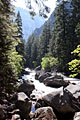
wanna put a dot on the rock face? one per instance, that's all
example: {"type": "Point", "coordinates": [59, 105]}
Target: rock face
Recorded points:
{"type": "Point", "coordinates": [26, 87]}
{"type": "Point", "coordinates": [65, 100]}
{"type": "Point", "coordinates": [45, 113]}
{"type": "Point", "coordinates": [55, 81]}
{"type": "Point", "coordinates": [23, 104]}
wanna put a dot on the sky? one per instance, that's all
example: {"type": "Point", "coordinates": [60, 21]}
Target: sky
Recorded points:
{"type": "Point", "coordinates": [49, 3]}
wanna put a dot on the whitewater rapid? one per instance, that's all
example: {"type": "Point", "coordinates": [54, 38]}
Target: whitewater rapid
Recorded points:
{"type": "Point", "coordinates": [40, 88]}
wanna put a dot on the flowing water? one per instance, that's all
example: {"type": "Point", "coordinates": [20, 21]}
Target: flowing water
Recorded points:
{"type": "Point", "coordinates": [40, 88]}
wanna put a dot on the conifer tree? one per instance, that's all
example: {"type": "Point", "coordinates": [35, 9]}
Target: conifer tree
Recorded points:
{"type": "Point", "coordinates": [21, 46]}
{"type": "Point", "coordinates": [44, 41]}
{"type": "Point", "coordinates": [61, 33]}
{"type": "Point", "coordinates": [8, 68]}
{"type": "Point", "coordinates": [28, 51]}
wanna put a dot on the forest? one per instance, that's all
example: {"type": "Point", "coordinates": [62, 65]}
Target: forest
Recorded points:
{"type": "Point", "coordinates": [58, 46]}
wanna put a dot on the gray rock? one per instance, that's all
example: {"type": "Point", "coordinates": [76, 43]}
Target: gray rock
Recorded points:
{"type": "Point", "coordinates": [77, 116]}
{"type": "Point", "coordinates": [64, 100]}
{"type": "Point", "coordinates": [2, 113]}
{"type": "Point", "coordinates": [38, 68]}
{"type": "Point", "coordinates": [45, 113]}
{"type": "Point", "coordinates": [43, 76]}
{"type": "Point", "coordinates": [55, 81]}
{"type": "Point", "coordinates": [26, 87]}
{"type": "Point", "coordinates": [39, 73]}
{"type": "Point", "coordinates": [16, 117]}
{"type": "Point", "coordinates": [23, 104]}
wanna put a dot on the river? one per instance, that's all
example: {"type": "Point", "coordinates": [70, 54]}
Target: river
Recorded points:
{"type": "Point", "coordinates": [40, 88]}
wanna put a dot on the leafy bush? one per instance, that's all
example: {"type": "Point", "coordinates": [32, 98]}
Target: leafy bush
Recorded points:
{"type": "Point", "coordinates": [48, 62]}
{"type": "Point", "coordinates": [74, 65]}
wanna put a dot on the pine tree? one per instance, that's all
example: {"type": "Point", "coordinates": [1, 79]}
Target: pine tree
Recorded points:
{"type": "Point", "coordinates": [61, 33]}
{"type": "Point", "coordinates": [44, 41]}
{"type": "Point", "coordinates": [75, 21]}
{"type": "Point", "coordinates": [8, 69]}
{"type": "Point", "coordinates": [28, 51]}
{"type": "Point", "coordinates": [21, 46]}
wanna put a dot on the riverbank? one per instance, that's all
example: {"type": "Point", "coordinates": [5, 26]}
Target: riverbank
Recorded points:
{"type": "Point", "coordinates": [51, 103]}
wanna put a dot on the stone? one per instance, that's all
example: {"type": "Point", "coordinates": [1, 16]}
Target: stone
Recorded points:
{"type": "Point", "coordinates": [25, 71]}
{"type": "Point", "coordinates": [64, 100]}
{"type": "Point", "coordinates": [23, 104]}
{"type": "Point", "coordinates": [43, 76]}
{"type": "Point", "coordinates": [16, 117]}
{"type": "Point", "coordinates": [27, 87]}
{"type": "Point", "coordinates": [45, 113]}
{"type": "Point", "coordinates": [2, 112]}
{"type": "Point", "coordinates": [39, 73]}
{"type": "Point", "coordinates": [77, 116]}
{"type": "Point", "coordinates": [38, 68]}
{"type": "Point", "coordinates": [55, 81]}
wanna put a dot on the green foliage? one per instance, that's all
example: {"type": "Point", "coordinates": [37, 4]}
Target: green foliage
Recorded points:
{"type": "Point", "coordinates": [49, 62]}
{"type": "Point", "coordinates": [74, 65]}
{"type": "Point", "coordinates": [9, 59]}
{"type": "Point", "coordinates": [21, 43]}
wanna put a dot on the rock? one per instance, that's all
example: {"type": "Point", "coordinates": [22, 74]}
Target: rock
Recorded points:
{"type": "Point", "coordinates": [43, 76]}
{"type": "Point", "coordinates": [74, 90]}
{"type": "Point", "coordinates": [55, 81]}
{"type": "Point", "coordinates": [2, 113]}
{"type": "Point", "coordinates": [38, 73]}
{"type": "Point", "coordinates": [26, 87]}
{"type": "Point", "coordinates": [77, 116]}
{"type": "Point", "coordinates": [16, 117]}
{"type": "Point", "coordinates": [23, 104]}
{"type": "Point", "coordinates": [45, 113]}
{"type": "Point", "coordinates": [25, 71]}
{"type": "Point", "coordinates": [64, 100]}
{"type": "Point", "coordinates": [38, 68]}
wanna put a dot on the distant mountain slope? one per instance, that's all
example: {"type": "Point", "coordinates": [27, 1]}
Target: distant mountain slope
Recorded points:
{"type": "Point", "coordinates": [29, 25]}
{"type": "Point", "coordinates": [51, 19]}
{"type": "Point", "coordinates": [38, 31]}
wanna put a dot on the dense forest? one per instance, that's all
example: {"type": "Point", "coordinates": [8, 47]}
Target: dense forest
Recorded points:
{"type": "Point", "coordinates": [56, 52]}
{"type": "Point", "coordinates": [59, 44]}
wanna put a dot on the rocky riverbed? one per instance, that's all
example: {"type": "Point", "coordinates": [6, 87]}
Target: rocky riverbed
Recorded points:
{"type": "Point", "coordinates": [42, 96]}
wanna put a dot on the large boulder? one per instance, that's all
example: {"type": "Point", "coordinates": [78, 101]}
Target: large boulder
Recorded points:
{"type": "Point", "coordinates": [64, 100]}
{"type": "Point", "coordinates": [26, 87]}
{"type": "Point", "coordinates": [45, 113]}
{"type": "Point", "coordinates": [39, 73]}
{"type": "Point", "coordinates": [43, 76]}
{"type": "Point", "coordinates": [2, 112]}
{"type": "Point", "coordinates": [23, 104]}
{"type": "Point", "coordinates": [55, 81]}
